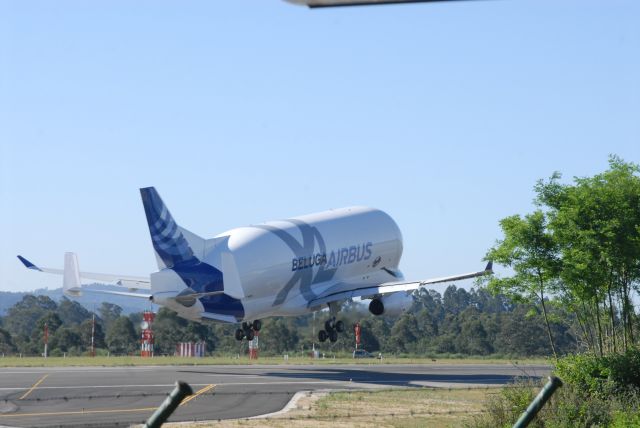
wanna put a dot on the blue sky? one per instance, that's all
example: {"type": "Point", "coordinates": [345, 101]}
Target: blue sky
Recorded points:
{"type": "Point", "coordinates": [444, 115]}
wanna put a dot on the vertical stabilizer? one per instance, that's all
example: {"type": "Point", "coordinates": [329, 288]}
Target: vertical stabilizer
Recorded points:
{"type": "Point", "coordinates": [172, 244]}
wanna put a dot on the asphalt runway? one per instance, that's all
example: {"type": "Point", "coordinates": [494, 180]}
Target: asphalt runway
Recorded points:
{"type": "Point", "coordinates": [120, 396]}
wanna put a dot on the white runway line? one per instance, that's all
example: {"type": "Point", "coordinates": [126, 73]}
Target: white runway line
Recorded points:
{"type": "Point", "coordinates": [296, 382]}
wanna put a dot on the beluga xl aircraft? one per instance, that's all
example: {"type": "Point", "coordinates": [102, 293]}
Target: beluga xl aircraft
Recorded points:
{"type": "Point", "coordinates": [278, 268]}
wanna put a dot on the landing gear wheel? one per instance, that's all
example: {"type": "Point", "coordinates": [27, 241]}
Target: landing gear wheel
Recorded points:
{"type": "Point", "coordinates": [322, 336]}
{"type": "Point", "coordinates": [339, 326]}
{"type": "Point", "coordinates": [333, 335]}
{"type": "Point", "coordinates": [328, 325]}
{"type": "Point", "coordinates": [257, 325]}
{"type": "Point", "coordinates": [249, 334]}
{"type": "Point", "coordinates": [239, 334]}
{"type": "Point", "coordinates": [246, 325]}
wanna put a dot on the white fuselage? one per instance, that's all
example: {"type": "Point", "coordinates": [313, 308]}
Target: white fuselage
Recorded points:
{"type": "Point", "coordinates": [277, 268]}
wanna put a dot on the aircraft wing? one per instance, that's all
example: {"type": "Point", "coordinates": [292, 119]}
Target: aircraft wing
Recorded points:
{"type": "Point", "coordinates": [124, 280]}
{"type": "Point", "coordinates": [338, 3]}
{"type": "Point", "coordinates": [393, 287]}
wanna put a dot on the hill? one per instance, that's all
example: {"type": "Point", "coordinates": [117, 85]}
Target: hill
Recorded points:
{"type": "Point", "coordinates": [89, 300]}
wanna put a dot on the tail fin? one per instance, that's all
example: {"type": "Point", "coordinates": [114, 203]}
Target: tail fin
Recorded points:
{"type": "Point", "coordinates": [71, 276]}
{"type": "Point", "coordinates": [171, 243]}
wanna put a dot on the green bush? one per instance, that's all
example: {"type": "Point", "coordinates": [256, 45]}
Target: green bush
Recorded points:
{"type": "Point", "coordinates": [624, 369]}
{"type": "Point", "coordinates": [503, 409]}
{"type": "Point", "coordinates": [568, 408]}
{"type": "Point", "coordinates": [625, 420]}
{"type": "Point", "coordinates": [601, 376]}
{"type": "Point", "coordinates": [597, 392]}
{"type": "Point", "coordinates": [586, 372]}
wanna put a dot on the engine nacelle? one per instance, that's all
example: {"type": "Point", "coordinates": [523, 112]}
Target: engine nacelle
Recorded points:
{"type": "Point", "coordinates": [391, 304]}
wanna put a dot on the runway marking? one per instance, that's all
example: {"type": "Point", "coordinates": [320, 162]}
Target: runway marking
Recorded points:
{"type": "Point", "coordinates": [35, 385]}
{"type": "Point", "coordinates": [86, 412]}
{"type": "Point", "coordinates": [79, 412]}
{"type": "Point", "coordinates": [291, 382]}
{"type": "Point", "coordinates": [200, 392]}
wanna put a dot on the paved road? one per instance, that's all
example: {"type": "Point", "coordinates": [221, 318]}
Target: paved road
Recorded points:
{"type": "Point", "coordinates": [119, 396]}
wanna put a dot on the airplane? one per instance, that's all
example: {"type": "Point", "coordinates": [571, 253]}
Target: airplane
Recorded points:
{"type": "Point", "coordinates": [278, 268]}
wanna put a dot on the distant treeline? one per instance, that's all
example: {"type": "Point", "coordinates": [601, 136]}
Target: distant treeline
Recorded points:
{"type": "Point", "coordinates": [456, 322]}
{"type": "Point", "coordinates": [88, 300]}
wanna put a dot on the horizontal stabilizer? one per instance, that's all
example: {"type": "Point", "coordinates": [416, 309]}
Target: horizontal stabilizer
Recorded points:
{"type": "Point", "coordinates": [124, 280]}
{"type": "Point", "coordinates": [118, 293]}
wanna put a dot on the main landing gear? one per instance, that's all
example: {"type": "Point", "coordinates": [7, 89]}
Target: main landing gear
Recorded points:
{"type": "Point", "coordinates": [331, 330]}
{"type": "Point", "coordinates": [248, 330]}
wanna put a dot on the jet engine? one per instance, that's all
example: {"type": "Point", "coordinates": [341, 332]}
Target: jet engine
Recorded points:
{"type": "Point", "coordinates": [391, 304]}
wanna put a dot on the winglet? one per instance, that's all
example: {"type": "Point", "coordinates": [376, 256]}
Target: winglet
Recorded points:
{"type": "Point", "coordinates": [71, 278]}
{"type": "Point", "coordinates": [489, 268]}
{"type": "Point", "coordinates": [28, 264]}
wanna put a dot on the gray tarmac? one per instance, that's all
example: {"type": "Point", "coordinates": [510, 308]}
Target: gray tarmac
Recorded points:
{"type": "Point", "coordinates": [121, 396]}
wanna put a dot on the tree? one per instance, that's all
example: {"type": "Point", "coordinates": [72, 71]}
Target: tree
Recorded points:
{"type": "Point", "coordinates": [109, 313]}
{"type": "Point", "coordinates": [170, 329]}
{"type": "Point", "coordinates": [121, 337]}
{"type": "Point", "coordinates": [455, 299]}
{"type": "Point", "coordinates": [6, 342]}
{"type": "Point", "coordinates": [85, 329]}
{"type": "Point", "coordinates": [65, 339]}
{"type": "Point", "coordinates": [72, 312]}
{"type": "Point", "coordinates": [531, 251]}
{"type": "Point", "coordinates": [53, 323]}
{"type": "Point", "coordinates": [596, 222]}
{"type": "Point", "coordinates": [276, 337]}
{"type": "Point", "coordinates": [405, 333]}
{"type": "Point", "coordinates": [473, 338]}
{"type": "Point", "coordinates": [22, 317]}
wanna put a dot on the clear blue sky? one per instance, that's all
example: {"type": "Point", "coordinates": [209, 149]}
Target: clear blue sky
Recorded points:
{"type": "Point", "coordinates": [239, 111]}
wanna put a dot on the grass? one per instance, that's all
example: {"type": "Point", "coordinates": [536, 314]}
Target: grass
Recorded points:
{"type": "Point", "coordinates": [159, 361]}
{"type": "Point", "coordinates": [397, 408]}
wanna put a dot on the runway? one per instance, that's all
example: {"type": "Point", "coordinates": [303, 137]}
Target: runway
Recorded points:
{"type": "Point", "coordinates": [120, 396]}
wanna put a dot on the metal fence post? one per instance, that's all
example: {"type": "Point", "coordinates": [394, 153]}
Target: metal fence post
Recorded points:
{"type": "Point", "coordinates": [167, 407]}
{"type": "Point", "coordinates": [538, 402]}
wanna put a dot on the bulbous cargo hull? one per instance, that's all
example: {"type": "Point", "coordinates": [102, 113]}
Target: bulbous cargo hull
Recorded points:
{"type": "Point", "coordinates": [281, 266]}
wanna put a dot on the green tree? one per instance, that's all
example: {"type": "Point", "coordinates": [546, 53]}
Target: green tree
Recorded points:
{"type": "Point", "coordinates": [405, 333]}
{"type": "Point", "coordinates": [22, 317]}
{"type": "Point", "coordinates": [53, 323]}
{"type": "Point", "coordinates": [529, 249]}
{"type": "Point", "coordinates": [6, 343]}
{"type": "Point", "coordinates": [85, 329]}
{"type": "Point", "coordinates": [65, 339]}
{"type": "Point", "coordinates": [596, 222]}
{"type": "Point", "coordinates": [109, 313]}
{"type": "Point", "coordinates": [121, 337]}
{"type": "Point", "coordinates": [72, 312]}
{"type": "Point", "coordinates": [277, 337]}
{"type": "Point", "coordinates": [473, 338]}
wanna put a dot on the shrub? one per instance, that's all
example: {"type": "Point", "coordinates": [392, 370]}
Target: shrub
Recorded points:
{"type": "Point", "coordinates": [503, 409]}
{"type": "Point", "coordinates": [585, 372]}
{"type": "Point", "coordinates": [602, 376]}
{"type": "Point", "coordinates": [597, 391]}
